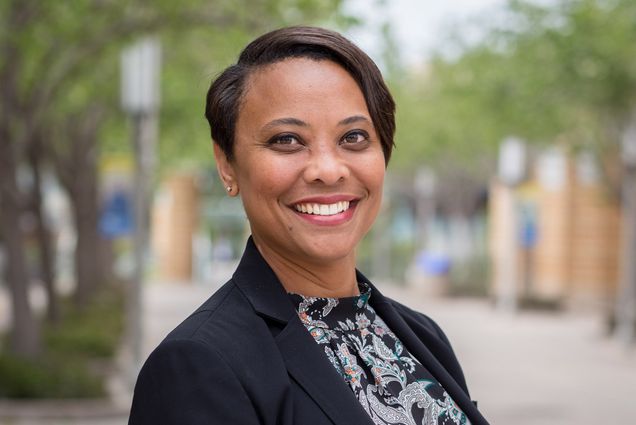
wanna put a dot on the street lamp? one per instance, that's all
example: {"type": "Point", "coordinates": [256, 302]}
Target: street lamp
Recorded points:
{"type": "Point", "coordinates": [424, 186]}
{"type": "Point", "coordinates": [511, 166]}
{"type": "Point", "coordinates": [140, 65]}
{"type": "Point", "coordinates": [626, 300]}
{"type": "Point", "coordinates": [511, 171]}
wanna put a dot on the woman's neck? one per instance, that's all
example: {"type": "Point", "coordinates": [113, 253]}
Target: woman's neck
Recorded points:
{"type": "Point", "coordinates": [336, 279]}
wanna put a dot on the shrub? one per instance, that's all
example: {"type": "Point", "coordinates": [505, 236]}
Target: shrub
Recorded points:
{"type": "Point", "coordinates": [72, 348]}
{"type": "Point", "coordinates": [47, 378]}
{"type": "Point", "coordinates": [94, 331]}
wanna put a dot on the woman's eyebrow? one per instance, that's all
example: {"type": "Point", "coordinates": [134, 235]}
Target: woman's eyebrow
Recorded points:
{"type": "Point", "coordinates": [300, 123]}
{"type": "Point", "coordinates": [285, 121]}
{"type": "Point", "coordinates": [354, 119]}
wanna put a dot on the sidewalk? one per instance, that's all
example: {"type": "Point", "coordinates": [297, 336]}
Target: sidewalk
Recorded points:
{"type": "Point", "coordinates": [525, 369]}
{"type": "Point", "coordinates": [537, 368]}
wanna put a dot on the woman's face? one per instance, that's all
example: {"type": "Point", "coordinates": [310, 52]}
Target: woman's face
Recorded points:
{"type": "Point", "coordinates": [308, 163]}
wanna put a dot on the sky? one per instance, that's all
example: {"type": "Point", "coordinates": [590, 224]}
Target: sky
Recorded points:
{"type": "Point", "coordinates": [419, 26]}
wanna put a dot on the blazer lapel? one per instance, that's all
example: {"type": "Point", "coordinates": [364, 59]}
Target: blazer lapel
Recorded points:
{"type": "Point", "coordinates": [309, 366]}
{"type": "Point", "coordinates": [417, 348]}
{"type": "Point", "coordinates": [304, 359]}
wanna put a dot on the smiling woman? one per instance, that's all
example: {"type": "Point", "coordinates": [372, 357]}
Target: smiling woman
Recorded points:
{"type": "Point", "coordinates": [304, 137]}
{"type": "Point", "coordinates": [303, 129]}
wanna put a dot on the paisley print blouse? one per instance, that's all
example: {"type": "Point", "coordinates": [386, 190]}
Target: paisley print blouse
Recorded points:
{"type": "Point", "coordinates": [391, 385]}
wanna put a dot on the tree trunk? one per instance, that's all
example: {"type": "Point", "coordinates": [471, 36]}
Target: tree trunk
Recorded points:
{"type": "Point", "coordinates": [79, 175]}
{"type": "Point", "coordinates": [88, 273]}
{"type": "Point", "coordinates": [25, 331]}
{"type": "Point", "coordinates": [43, 234]}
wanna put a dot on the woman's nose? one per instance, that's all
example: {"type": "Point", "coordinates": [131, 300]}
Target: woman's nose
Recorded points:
{"type": "Point", "coordinates": [326, 166]}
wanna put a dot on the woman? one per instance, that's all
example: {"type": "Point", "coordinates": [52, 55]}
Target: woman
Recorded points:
{"type": "Point", "coordinates": [303, 129]}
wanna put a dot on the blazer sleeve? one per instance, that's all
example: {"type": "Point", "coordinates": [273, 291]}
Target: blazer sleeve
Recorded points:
{"type": "Point", "coordinates": [185, 382]}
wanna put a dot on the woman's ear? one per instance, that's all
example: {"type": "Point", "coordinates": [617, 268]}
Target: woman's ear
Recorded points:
{"type": "Point", "coordinates": [226, 171]}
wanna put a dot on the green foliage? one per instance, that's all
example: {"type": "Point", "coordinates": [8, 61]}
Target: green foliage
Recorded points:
{"type": "Point", "coordinates": [68, 62]}
{"type": "Point", "coordinates": [564, 70]}
{"type": "Point", "coordinates": [186, 76]}
{"type": "Point", "coordinates": [74, 348]}
{"type": "Point", "coordinates": [93, 332]}
{"type": "Point", "coordinates": [47, 378]}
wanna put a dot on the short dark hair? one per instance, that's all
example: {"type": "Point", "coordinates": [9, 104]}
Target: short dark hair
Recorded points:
{"type": "Point", "coordinates": [224, 96]}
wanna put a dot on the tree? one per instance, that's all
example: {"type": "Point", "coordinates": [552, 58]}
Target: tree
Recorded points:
{"type": "Point", "coordinates": [51, 58]}
{"type": "Point", "coordinates": [25, 336]}
{"type": "Point", "coordinates": [565, 70]}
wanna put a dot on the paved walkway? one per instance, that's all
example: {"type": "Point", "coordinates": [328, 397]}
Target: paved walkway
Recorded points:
{"type": "Point", "coordinates": [525, 369]}
{"type": "Point", "coordinates": [537, 368]}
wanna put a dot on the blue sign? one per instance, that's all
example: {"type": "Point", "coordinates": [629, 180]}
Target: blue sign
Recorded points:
{"type": "Point", "coordinates": [117, 217]}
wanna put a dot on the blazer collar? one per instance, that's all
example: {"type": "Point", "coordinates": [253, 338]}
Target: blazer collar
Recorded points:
{"type": "Point", "coordinates": [304, 359]}
{"type": "Point", "coordinates": [258, 282]}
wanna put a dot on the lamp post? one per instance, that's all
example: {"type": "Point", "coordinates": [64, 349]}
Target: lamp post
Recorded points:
{"type": "Point", "coordinates": [140, 65]}
{"type": "Point", "coordinates": [424, 187]}
{"type": "Point", "coordinates": [511, 170]}
{"type": "Point", "coordinates": [626, 299]}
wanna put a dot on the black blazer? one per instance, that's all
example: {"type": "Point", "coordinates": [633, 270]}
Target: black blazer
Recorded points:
{"type": "Point", "coordinates": [244, 357]}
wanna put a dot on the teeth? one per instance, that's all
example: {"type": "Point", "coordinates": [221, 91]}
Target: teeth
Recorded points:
{"type": "Point", "coordinates": [323, 209]}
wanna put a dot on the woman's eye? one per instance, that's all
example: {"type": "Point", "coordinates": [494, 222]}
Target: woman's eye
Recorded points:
{"type": "Point", "coordinates": [286, 139]}
{"type": "Point", "coordinates": [285, 142]}
{"type": "Point", "coordinates": [355, 139]}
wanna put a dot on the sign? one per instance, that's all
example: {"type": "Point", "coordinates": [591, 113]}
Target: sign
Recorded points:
{"type": "Point", "coordinates": [117, 216]}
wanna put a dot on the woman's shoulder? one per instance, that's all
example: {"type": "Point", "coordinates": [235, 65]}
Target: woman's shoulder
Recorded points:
{"type": "Point", "coordinates": [222, 317]}
{"type": "Point", "coordinates": [224, 330]}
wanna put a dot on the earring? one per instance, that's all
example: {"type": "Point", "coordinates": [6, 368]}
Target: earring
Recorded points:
{"type": "Point", "coordinates": [229, 189]}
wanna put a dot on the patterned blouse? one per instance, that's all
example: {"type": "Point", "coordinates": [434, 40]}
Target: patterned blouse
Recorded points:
{"type": "Point", "coordinates": [392, 386]}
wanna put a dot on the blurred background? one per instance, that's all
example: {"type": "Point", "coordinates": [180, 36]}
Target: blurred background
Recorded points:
{"type": "Point", "coordinates": [509, 209]}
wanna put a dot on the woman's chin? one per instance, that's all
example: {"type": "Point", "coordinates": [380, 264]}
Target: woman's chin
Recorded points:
{"type": "Point", "coordinates": [326, 250]}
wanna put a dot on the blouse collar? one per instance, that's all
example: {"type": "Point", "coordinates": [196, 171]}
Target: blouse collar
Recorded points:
{"type": "Point", "coordinates": [330, 312]}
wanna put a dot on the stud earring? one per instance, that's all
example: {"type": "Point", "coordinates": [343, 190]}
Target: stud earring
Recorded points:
{"type": "Point", "coordinates": [229, 189]}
